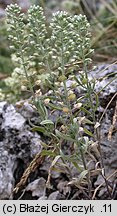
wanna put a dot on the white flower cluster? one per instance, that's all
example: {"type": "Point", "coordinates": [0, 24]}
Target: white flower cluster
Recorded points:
{"type": "Point", "coordinates": [81, 36]}
{"type": "Point", "coordinates": [37, 31]}
{"type": "Point", "coordinates": [28, 39]}
{"type": "Point", "coordinates": [70, 37]}
{"type": "Point", "coordinates": [34, 47]}
{"type": "Point", "coordinates": [16, 26]}
{"type": "Point", "coordinates": [61, 38]}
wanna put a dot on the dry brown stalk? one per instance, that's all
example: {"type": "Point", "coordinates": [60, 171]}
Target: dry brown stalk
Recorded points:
{"type": "Point", "coordinates": [113, 123]}
{"type": "Point", "coordinates": [114, 173]}
{"type": "Point", "coordinates": [31, 168]}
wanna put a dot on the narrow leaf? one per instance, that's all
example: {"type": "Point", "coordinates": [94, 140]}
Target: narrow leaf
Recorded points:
{"type": "Point", "coordinates": [88, 132]}
{"type": "Point", "coordinates": [77, 181]}
{"type": "Point", "coordinates": [38, 128]}
{"type": "Point", "coordinates": [64, 136]}
{"type": "Point", "coordinates": [54, 106]}
{"type": "Point", "coordinates": [48, 153]}
{"type": "Point", "coordinates": [76, 79]}
{"type": "Point", "coordinates": [55, 160]}
{"type": "Point", "coordinates": [85, 110]}
{"type": "Point", "coordinates": [82, 175]}
{"type": "Point", "coordinates": [87, 121]}
{"type": "Point", "coordinates": [45, 122]}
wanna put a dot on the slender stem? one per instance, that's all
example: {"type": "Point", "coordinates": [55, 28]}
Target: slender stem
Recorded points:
{"type": "Point", "coordinates": [24, 67]}
{"type": "Point", "coordinates": [102, 162]}
{"type": "Point", "coordinates": [63, 70]}
{"type": "Point", "coordinates": [64, 82]}
{"type": "Point", "coordinates": [92, 106]}
{"type": "Point", "coordinates": [89, 91]}
{"type": "Point", "coordinates": [88, 175]}
{"type": "Point", "coordinates": [27, 77]}
{"type": "Point", "coordinates": [98, 137]}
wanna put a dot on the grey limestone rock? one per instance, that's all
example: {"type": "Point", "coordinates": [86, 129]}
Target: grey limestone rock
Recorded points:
{"type": "Point", "coordinates": [16, 142]}
{"type": "Point", "coordinates": [56, 196]}
{"type": "Point", "coordinates": [37, 187]}
{"type": "Point", "coordinates": [104, 74]}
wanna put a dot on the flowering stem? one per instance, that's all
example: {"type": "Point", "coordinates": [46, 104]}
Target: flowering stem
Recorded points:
{"type": "Point", "coordinates": [89, 91]}
{"type": "Point", "coordinates": [27, 77]}
{"type": "Point", "coordinates": [88, 174]}
{"type": "Point", "coordinates": [64, 82]}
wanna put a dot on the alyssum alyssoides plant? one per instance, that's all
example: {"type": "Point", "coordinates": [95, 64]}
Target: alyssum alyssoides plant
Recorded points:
{"type": "Point", "coordinates": [56, 52]}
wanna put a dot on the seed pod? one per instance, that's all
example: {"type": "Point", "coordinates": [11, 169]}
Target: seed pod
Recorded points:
{"type": "Point", "coordinates": [62, 78]}
{"type": "Point", "coordinates": [71, 97]}
{"type": "Point", "coordinates": [65, 109]}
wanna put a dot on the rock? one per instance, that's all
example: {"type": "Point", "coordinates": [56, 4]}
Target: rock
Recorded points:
{"type": "Point", "coordinates": [2, 105]}
{"type": "Point", "coordinates": [2, 13]}
{"type": "Point", "coordinates": [56, 196]}
{"type": "Point", "coordinates": [43, 198]}
{"type": "Point", "coordinates": [25, 109]}
{"type": "Point", "coordinates": [37, 187]}
{"type": "Point", "coordinates": [17, 142]}
{"type": "Point", "coordinates": [6, 173]}
{"type": "Point", "coordinates": [109, 148]}
{"type": "Point", "coordinates": [64, 188]}
{"type": "Point", "coordinates": [12, 119]}
{"type": "Point", "coordinates": [107, 71]}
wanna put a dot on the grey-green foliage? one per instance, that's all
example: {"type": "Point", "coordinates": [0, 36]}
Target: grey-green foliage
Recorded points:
{"type": "Point", "coordinates": [16, 28]}
{"type": "Point", "coordinates": [68, 43]}
{"type": "Point", "coordinates": [62, 37]}
{"type": "Point", "coordinates": [69, 38]}
{"type": "Point", "coordinates": [82, 36]}
{"type": "Point", "coordinates": [37, 33]}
